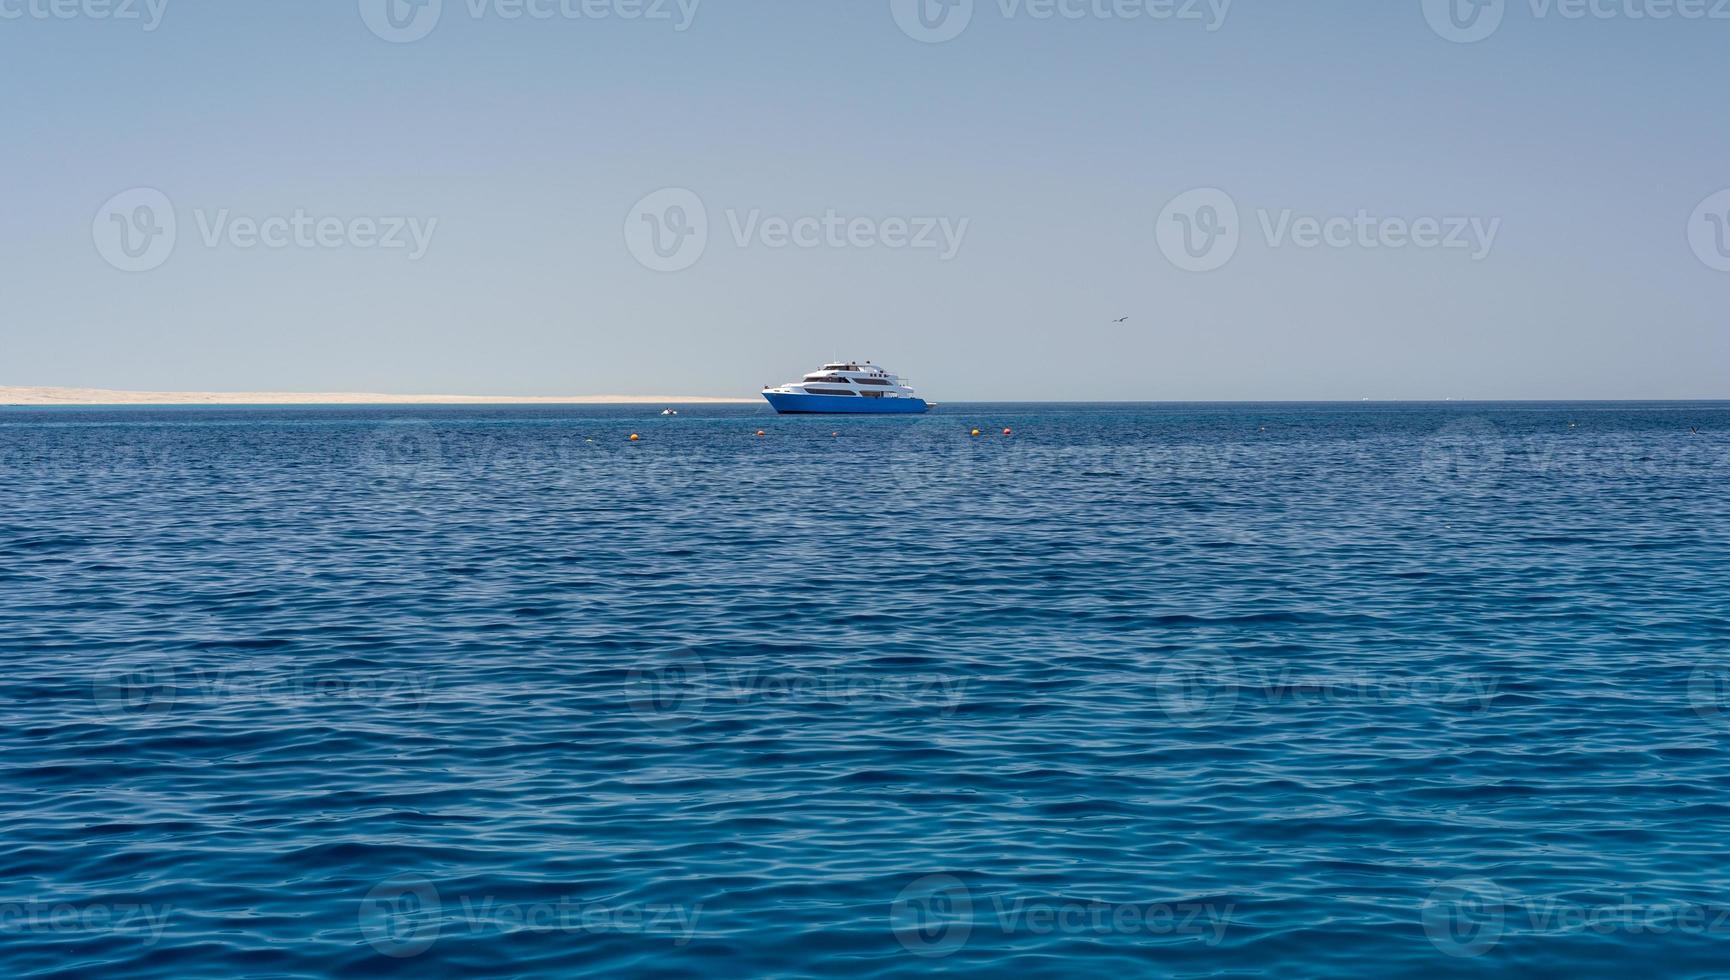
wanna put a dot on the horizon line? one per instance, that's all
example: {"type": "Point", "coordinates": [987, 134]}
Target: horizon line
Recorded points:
{"type": "Point", "coordinates": [78, 397]}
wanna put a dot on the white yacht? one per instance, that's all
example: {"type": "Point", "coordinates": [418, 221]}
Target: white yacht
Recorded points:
{"type": "Point", "coordinates": [846, 387]}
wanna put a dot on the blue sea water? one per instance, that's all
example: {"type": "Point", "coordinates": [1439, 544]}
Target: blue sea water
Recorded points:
{"type": "Point", "coordinates": [1175, 690]}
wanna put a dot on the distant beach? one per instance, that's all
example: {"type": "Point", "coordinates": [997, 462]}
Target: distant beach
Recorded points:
{"type": "Point", "coordinates": [18, 396]}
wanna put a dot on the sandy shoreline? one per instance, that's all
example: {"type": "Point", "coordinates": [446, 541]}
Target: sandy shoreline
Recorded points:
{"type": "Point", "coordinates": [16, 396]}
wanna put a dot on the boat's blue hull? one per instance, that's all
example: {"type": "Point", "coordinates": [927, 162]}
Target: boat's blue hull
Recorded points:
{"type": "Point", "coordinates": [843, 405]}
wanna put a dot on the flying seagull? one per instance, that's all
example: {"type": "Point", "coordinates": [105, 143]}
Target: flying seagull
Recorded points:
{"type": "Point", "coordinates": [1121, 320]}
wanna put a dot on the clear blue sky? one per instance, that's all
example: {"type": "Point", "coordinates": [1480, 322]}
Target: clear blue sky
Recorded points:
{"type": "Point", "coordinates": [1059, 141]}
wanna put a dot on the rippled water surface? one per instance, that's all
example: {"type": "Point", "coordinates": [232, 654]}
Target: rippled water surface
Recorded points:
{"type": "Point", "coordinates": [1197, 691]}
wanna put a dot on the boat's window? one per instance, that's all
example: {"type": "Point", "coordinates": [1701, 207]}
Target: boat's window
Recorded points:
{"type": "Point", "coordinates": [870, 381]}
{"type": "Point", "coordinates": [825, 391]}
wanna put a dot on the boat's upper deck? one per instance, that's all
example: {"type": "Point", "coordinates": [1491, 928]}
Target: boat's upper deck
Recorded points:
{"type": "Point", "coordinates": [843, 372]}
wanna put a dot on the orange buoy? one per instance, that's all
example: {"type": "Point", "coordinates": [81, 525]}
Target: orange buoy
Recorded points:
{"type": "Point", "coordinates": [1008, 432]}
{"type": "Point", "coordinates": [635, 437]}
{"type": "Point", "coordinates": [761, 433]}
{"type": "Point", "coordinates": [975, 431]}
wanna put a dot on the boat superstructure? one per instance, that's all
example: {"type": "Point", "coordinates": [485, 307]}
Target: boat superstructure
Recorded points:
{"type": "Point", "coordinates": [846, 388]}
